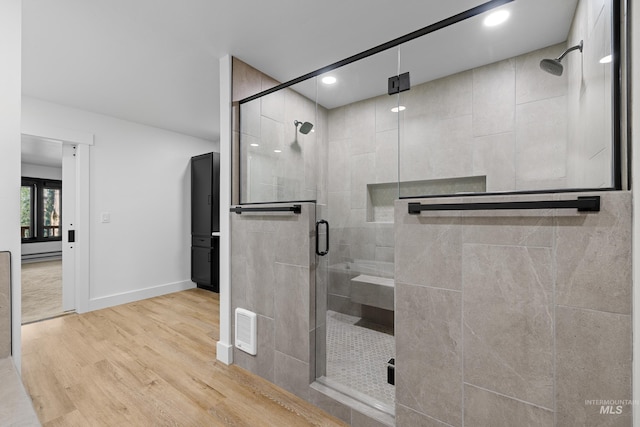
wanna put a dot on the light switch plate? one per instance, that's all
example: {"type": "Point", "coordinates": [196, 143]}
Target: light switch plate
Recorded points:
{"type": "Point", "coordinates": [105, 217]}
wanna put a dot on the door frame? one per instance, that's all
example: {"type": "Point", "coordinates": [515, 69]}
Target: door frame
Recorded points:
{"type": "Point", "coordinates": [81, 141]}
{"type": "Point", "coordinates": [69, 207]}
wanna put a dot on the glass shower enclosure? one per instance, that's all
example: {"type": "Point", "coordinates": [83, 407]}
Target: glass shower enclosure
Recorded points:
{"type": "Point", "coordinates": [462, 109]}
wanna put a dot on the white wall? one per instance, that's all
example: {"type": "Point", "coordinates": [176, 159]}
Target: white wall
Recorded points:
{"type": "Point", "coordinates": [10, 86]}
{"type": "Point", "coordinates": [140, 175]}
{"type": "Point", "coordinates": [39, 171]}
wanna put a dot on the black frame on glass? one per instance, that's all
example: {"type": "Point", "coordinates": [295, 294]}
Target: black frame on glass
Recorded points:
{"type": "Point", "coordinates": [616, 70]}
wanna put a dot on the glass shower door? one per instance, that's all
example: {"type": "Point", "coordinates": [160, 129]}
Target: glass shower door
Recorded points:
{"type": "Point", "coordinates": [354, 280]}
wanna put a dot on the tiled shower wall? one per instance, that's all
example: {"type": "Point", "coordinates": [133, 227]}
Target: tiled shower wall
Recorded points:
{"type": "Point", "coordinates": [589, 146]}
{"type": "Point", "coordinates": [362, 149]}
{"type": "Point", "coordinates": [510, 318]}
{"type": "Point", "coordinates": [272, 266]}
{"type": "Point", "coordinates": [277, 286]}
{"type": "Point", "coordinates": [273, 275]}
{"type": "Point", "coordinates": [296, 172]}
{"type": "Point", "coordinates": [506, 121]}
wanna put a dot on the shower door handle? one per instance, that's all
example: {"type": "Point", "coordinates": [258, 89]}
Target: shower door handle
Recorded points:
{"type": "Point", "coordinates": [326, 251]}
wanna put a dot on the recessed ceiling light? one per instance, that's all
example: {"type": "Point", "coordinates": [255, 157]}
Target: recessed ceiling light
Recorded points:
{"type": "Point", "coordinates": [329, 80]}
{"type": "Point", "coordinates": [399, 108]}
{"type": "Point", "coordinates": [255, 145]}
{"type": "Point", "coordinates": [606, 60]}
{"type": "Point", "coordinates": [496, 18]}
{"type": "Point", "coordinates": [277, 151]}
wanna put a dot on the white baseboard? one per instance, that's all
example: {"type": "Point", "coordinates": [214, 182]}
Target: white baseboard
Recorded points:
{"type": "Point", "coordinates": [33, 258]}
{"type": "Point", "coordinates": [139, 294]}
{"type": "Point", "coordinates": [224, 352]}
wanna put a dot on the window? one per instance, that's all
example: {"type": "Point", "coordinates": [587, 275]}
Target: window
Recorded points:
{"type": "Point", "coordinates": [26, 211]}
{"type": "Point", "coordinates": [40, 210]}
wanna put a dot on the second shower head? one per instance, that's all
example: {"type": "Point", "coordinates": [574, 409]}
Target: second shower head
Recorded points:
{"type": "Point", "coordinates": [554, 66]}
{"type": "Point", "coordinates": [305, 128]}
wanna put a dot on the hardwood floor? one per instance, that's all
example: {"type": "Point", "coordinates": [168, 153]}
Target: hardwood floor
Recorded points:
{"type": "Point", "coordinates": [149, 363]}
{"type": "Point", "coordinates": [41, 290]}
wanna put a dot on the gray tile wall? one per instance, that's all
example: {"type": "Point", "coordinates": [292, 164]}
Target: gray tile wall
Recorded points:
{"type": "Point", "coordinates": [5, 304]}
{"type": "Point", "coordinates": [292, 173]}
{"type": "Point", "coordinates": [506, 121]}
{"type": "Point", "coordinates": [273, 275]}
{"type": "Point", "coordinates": [279, 359]}
{"type": "Point", "coordinates": [510, 318]}
{"type": "Point", "coordinates": [589, 96]}
{"type": "Point", "coordinates": [362, 149]}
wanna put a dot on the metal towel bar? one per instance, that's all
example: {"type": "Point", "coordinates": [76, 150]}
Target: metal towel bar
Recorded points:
{"type": "Point", "coordinates": [296, 209]}
{"type": "Point", "coordinates": [583, 204]}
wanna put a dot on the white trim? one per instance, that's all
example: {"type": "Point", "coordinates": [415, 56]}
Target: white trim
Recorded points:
{"type": "Point", "coordinates": [139, 294]}
{"type": "Point", "coordinates": [60, 134]}
{"type": "Point", "coordinates": [82, 226]}
{"type": "Point", "coordinates": [224, 353]}
{"type": "Point", "coordinates": [69, 207]}
{"type": "Point", "coordinates": [10, 115]}
{"type": "Point", "coordinates": [82, 140]}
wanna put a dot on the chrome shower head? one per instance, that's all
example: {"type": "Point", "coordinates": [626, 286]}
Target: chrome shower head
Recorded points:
{"type": "Point", "coordinates": [305, 128]}
{"type": "Point", "coordinates": [554, 66]}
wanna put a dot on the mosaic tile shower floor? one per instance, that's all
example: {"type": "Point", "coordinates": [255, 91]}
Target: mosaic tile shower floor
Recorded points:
{"type": "Point", "coordinates": [357, 355]}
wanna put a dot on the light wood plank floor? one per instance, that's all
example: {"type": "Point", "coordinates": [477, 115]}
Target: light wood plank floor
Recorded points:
{"type": "Point", "coordinates": [149, 363]}
{"type": "Point", "coordinates": [41, 290]}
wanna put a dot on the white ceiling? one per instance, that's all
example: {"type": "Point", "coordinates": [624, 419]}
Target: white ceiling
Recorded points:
{"type": "Point", "coordinates": [156, 61]}
{"type": "Point", "coordinates": [41, 151]}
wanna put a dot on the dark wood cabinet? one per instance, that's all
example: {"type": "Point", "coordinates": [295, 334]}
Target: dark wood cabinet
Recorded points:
{"type": "Point", "coordinates": [204, 266]}
{"type": "Point", "coordinates": [205, 220]}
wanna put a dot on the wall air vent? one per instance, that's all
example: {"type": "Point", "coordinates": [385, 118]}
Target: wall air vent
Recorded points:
{"type": "Point", "coordinates": [246, 336]}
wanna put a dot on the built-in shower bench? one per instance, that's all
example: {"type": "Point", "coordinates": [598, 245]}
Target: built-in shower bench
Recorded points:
{"type": "Point", "coordinates": [372, 290]}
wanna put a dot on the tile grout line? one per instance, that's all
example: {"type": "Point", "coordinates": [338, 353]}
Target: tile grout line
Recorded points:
{"type": "Point", "coordinates": [462, 276]}
{"type": "Point", "coordinates": [555, 317]}
{"type": "Point", "coordinates": [542, 99]}
{"type": "Point", "coordinates": [593, 310]}
{"type": "Point", "coordinates": [509, 246]}
{"type": "Point", "coordinates": [427, 416]}
{"type": "Point", "coordinates": [427, 286]}
{"type": "Point", "coordinates": [509, 397]}
{"type": "Point", "coordinates": [514, 125]}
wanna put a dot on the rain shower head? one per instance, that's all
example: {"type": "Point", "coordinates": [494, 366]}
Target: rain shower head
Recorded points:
{"type": "Point", "coordinates": [305, 128]}
{"type": "Point", "coordinates": [554, 66]}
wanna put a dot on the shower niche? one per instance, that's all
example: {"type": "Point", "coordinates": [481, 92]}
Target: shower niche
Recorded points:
{"type": "Point", "coordinates": [381, 197]}
{"type": "Point", "coordinates": [492, 116]}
